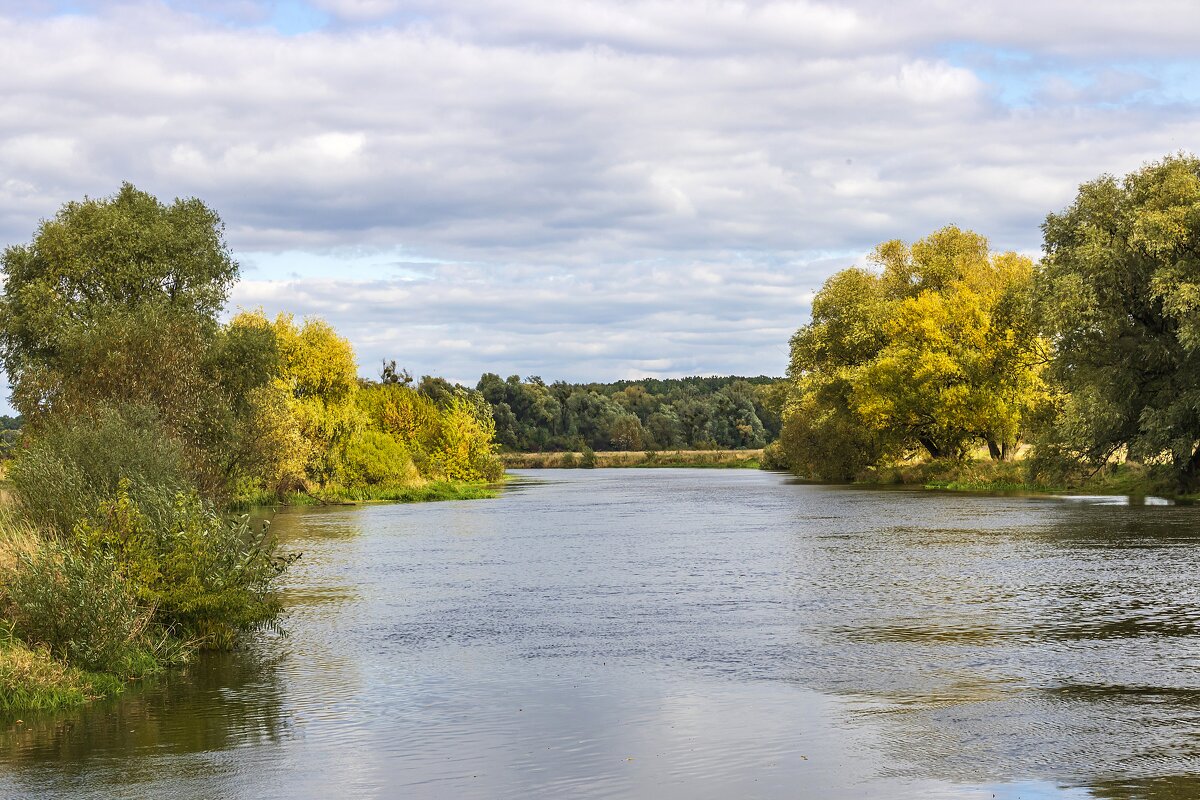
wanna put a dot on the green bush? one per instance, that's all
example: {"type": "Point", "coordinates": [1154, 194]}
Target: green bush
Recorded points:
{"type": "Point", "coordinates": [208, 578]}
{"type": "Point", "coordinates": [588, 458]}
{"type": "Point", "coordinates": [372, 458]}
{"type": "Point", "coordinates": [70, 467]}
{"type": "Point", "coordinates": [75, 602]}
{"type": "Point", "coordinates": [774, 457]}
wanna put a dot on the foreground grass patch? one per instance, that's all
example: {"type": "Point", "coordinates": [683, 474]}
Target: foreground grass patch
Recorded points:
{"type": "Point", "coordinates": [33, 680]}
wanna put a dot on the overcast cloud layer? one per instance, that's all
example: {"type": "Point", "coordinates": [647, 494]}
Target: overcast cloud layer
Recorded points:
{"type": "Point", "coordinates": [583, 190]}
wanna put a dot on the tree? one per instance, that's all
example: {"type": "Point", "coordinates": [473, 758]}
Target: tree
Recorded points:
{"type": "Point", "coordinates": [1121, 300]}
{"type": "Point", "coordinates": [113, 305]}
{"type": "Point", "coordinates": [318, 370]}
{"type": "Point", "coordinates": [936, 349]}
{"type": "Point", "coordinates": [626, 433]}
{"type": "Point", "coordinates": [125, 251]}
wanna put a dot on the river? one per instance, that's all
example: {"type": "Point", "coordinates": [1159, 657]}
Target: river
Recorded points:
{"type": "Point", "coordinates": [681, 634]}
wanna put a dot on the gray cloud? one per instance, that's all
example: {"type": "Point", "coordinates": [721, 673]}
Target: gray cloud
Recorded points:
{"type": "Point", "coordinates": [603, 188]}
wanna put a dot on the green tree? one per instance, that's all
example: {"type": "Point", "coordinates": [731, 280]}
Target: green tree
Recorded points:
{"type": "Point", "coordinates": [1121, 299]}
{"type": "Point", "coordinates": [936, 349]}
{"type": "Point", "coordinates": [114, 304]}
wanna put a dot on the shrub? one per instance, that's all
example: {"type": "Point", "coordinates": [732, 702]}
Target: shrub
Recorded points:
{"type": "Point", "coordinates": [75, 603]}
{"type": "Point", "coordinates": [208, 578]}
{"type": "Point", "coordinates": [71, 466]}
{"type": "Point", "coordinates": [587, 459]}
{"type": "Point", "coordinates": [372, 458]}
{"type": "Point", "coordinates": [774, 457]}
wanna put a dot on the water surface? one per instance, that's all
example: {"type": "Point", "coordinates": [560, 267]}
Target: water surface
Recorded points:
{"type": "Point", "coordinates": [682, 634]}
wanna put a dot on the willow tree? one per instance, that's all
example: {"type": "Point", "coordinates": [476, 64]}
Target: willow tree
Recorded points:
{"type": "Point", "coordinates": [1121, 299]}
{"type": "Point", "coordinates": [113, 306]}
{"type": "Point", "coordinates": [933, 348]}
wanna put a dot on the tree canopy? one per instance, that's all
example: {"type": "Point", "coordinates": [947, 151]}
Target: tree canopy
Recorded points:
{"type": "Point", "coordinates": [1120, 299]}
{"type": "Point", "coordinates": [931, 348]}
{"type": "Point", "coordinates": [654, 413]}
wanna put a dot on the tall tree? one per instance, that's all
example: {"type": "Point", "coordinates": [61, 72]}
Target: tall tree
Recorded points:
{"type": "Point", "coordinates": [1121, 299]}
{"type": "Point", "coordinates": [114, 304]}
{"type": "Point", "coordinates": [935, 349]}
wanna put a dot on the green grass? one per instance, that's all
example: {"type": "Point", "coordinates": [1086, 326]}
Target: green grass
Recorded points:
{"type": "Point", "coordinates": [1011, 477]}
{"type": "Point", "coordinates": [33, 680]}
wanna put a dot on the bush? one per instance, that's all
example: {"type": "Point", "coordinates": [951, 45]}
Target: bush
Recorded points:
{"type": "Point", "coordinates": [75, 603]}
{"type": "Point", "coordinates": [587, 459]}
{"type": "Point", "coordinates": [372, 458]}
{"type": "Point", "coordinates": [71, 466]}
{"type": "Point", "coordinates": [208, 578]}
{"type": "Point", "coordinates": [774, 457]}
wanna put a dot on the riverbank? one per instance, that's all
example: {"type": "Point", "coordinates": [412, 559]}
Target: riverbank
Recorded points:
{"type": "Point", "coordinates": [432, 491]}
{"type": "Point", "coordinates": [712, 459]}
{"type": "Point", "coordinates": [1013, 477]}
{"type": "Point", "coordinates": [35, 679]}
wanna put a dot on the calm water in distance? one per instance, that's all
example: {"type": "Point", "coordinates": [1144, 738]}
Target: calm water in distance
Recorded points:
{"type": "Point", "coordinates": [682, 634]}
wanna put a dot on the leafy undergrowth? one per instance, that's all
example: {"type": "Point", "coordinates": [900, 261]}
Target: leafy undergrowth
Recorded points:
{"type": "Point", "coordinates": [1129, 478]}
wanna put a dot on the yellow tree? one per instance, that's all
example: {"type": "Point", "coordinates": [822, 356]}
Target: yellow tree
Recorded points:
{"type": "Point", "coordinates": [935, 349]}
{"type": "Point", "coordinates": [310, 409]}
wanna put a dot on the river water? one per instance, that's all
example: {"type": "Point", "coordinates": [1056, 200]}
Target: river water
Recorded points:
{"type": "Point", "coordinates": [682, 634]}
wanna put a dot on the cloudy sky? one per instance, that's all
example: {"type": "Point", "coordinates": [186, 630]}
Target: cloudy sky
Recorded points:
{"type": "Point", "coordinates": [583, 189]}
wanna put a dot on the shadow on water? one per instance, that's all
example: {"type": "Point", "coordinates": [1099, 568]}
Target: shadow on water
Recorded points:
{"type": "Point", "coordinates": [221, 702]}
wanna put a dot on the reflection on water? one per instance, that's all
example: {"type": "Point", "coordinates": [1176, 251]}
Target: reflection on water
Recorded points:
{"type": "Point", "coordinates": [683, 633]}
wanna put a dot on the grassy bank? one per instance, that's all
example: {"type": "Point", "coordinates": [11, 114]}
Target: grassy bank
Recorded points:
{"type": "Point", "coordinates": [31, 679]}
{"type": "Point", "coordinates": [713, 459]}
{"type": "Point", "coordinates": [1012, 477]}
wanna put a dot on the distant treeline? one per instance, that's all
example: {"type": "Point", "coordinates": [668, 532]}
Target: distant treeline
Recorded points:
{"type": "Point", "coordinates": [651, 414]}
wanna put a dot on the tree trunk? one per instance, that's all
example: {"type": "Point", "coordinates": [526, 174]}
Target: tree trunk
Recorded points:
{"type": "Point", "coordinates": [1187, 479]}
{"type": "Point", "coordinates": [931, 446]}
{"type": "Point", "coordinates": [995, 451]}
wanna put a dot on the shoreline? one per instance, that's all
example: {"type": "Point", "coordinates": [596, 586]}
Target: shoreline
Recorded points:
{"type": "Point", "coordinates": [636, 459]}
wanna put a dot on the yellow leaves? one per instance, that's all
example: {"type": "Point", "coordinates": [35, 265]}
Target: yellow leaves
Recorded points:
{"type": "Point", "coordinates": [311, 405]}
{"type": "Point", "coordinates": [938, 347]}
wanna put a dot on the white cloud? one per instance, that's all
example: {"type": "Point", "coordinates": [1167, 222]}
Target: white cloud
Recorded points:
{"type": "Point", "coordinates": [600, 186]}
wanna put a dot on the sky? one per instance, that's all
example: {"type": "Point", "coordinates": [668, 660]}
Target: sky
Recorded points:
{"type": "Point", "coordinates": [583, 189]}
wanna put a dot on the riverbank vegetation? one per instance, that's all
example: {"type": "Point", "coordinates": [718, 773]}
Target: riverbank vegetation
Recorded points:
{"type": "Point", "coordinates": [587, 459]}
{"type": "Point", "coordinates": [146, 418]}
{"type": "Point", "coordinates": [652, 414]}
{"type": "Point", "coordinates": [1089, 358]}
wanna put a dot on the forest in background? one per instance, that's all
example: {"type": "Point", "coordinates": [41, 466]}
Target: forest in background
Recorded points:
{"type": "Point", "coordinates": [698, 413]}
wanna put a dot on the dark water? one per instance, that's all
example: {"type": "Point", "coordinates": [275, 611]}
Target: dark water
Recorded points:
{"type": "Point", "coordinates": [683, 634]}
